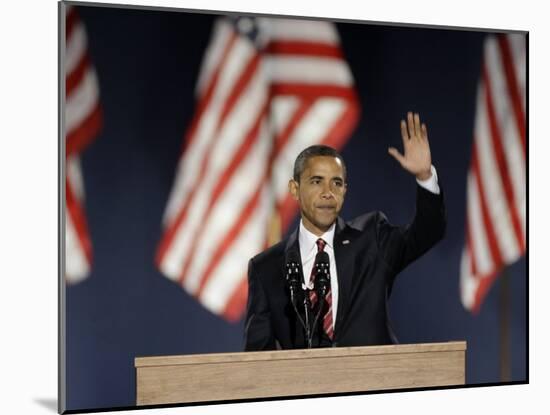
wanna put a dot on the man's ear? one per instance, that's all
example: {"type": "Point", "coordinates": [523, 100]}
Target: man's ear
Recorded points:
{"type": "Point", "coordinates": [293, 188]}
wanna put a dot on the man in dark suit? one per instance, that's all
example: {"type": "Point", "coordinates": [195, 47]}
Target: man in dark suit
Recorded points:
{"type": "Point", "coordinates": [365, 254]}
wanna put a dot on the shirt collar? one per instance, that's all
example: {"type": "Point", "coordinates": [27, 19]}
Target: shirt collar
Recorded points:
{"type": "Point", "coordinates": [307, 239]}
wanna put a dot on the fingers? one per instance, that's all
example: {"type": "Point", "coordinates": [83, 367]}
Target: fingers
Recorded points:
{"type": "Point", "coordinates": [417, 131]}
{"type": "Point", "coordinates": [413, 128]}
{"type": "Point", "coordinates": [396, 155]}
{"type": "Point", "coordinates": [424, 132]}
{"type": "Point", "coordinates": [410, 124]}
{"type": "Point", "coordinates": [404, 133]}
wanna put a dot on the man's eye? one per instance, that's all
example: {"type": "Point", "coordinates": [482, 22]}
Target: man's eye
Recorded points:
{"type": "Point", "coordinates": [338, 184]}
{"type": "Point", "coordinates": [315, 181]}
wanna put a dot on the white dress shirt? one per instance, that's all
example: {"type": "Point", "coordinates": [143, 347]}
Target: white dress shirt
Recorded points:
{"type": "Point", "coordinates": [308, 247]}
{"type": "Point", "coordinates": [308, 251]}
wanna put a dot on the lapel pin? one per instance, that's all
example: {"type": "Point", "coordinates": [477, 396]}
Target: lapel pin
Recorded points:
{"type": "Point", "coordinates": [345, 242]}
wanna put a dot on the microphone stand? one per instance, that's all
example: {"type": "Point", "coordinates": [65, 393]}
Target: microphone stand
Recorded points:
{"type": "Point", "coordinates": [293, 280]}
{"type": "Point", "coordinates": [316, 320]}
{"type": "Point", "coordinates": [322, 283]}
{"type": "Point", "coordinates": [307, 307]}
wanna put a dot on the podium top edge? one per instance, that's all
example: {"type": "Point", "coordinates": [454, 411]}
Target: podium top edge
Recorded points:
{"type": "Point", "coordinates": [207, 358]}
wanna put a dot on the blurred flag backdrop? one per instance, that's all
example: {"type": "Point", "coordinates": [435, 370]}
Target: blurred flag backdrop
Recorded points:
{"type": "Point", "coordinates": [267, 89]}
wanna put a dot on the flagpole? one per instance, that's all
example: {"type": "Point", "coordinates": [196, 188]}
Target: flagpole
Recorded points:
{"type": "Point", "coordinates": [504, 326]}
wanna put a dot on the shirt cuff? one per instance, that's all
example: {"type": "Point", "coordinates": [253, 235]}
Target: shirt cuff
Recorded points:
{"type": "Point", "coordinates": [431, 183]}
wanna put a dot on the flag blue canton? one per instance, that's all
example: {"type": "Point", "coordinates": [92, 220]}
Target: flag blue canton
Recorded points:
{"type": "Point", "coordinates": [247, 27]}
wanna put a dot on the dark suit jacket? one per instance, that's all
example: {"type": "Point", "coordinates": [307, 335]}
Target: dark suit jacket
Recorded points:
{"type": "Point", "coordinates": [366, 265]}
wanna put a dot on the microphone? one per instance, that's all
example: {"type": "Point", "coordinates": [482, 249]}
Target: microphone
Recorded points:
{"type": "Point", "coordinates": [292, 275]}
{"type": "Point", "coordinates": [322, 274]}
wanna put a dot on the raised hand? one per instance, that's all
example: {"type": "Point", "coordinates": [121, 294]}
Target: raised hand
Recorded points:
{"type": "Point", "coordinates": [417, 159]}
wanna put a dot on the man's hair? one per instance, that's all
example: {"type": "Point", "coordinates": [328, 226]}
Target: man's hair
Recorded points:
{"type": "Point", "coordinates": [314, 151]}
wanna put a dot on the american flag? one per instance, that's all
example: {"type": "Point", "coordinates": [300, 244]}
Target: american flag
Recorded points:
{"type": "Point", "coordinates": [267, 89]}
{"type": "Point", "coordinates": [83, 120]}
{"type": "Point", "coordinates": [496, 183]}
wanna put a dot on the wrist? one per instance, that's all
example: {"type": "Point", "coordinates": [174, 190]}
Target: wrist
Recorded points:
{"type": "Point", "coordinates": [424, 175]}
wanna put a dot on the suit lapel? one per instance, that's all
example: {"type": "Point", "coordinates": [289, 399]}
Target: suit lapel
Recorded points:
{"type": "Point", "coordinates": [344, 269]}
{"type": "Point", "coordinates": [292, 241]}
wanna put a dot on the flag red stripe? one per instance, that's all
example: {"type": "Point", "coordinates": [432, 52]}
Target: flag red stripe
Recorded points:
{"type": "Point", "coordinates": [304, 48]}
{"type": "Point", "coordinates": [251, 137]}
{"type": "Point", "coordinates": [71, 21]}
{"type": "Point", "coordinates": [78, 218]}
{"type": "Point", "coordinates": [487, 222]}
{"type": "Point", "coordinates": [86, 131]}
{"type": "Point", "coordinates": [469, 249]}
{"type": "Point", "coordinates": [312, 91]}
{"type": "Point", "coordinates": [485, 283]}
{"type": "Point", "coordinates": [204, 101]}
{"type": "Point", "coordinates": [500, 158]}
{"type": "Point", "coordinates": [339, 133]}
{"type": "Point", "coordinates": [287, 211]}
{"type": "Point", "coordinates": [237, 302]}
{"type": "Point", "coordinates": [73, 79]}
{"type": "Point", "coordinates": [513, 88]}
{"type": "Point", "coordinates": [171, 231]}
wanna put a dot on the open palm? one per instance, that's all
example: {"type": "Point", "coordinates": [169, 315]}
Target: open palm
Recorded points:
{"type": "Point", "coordinates": [416, 159]}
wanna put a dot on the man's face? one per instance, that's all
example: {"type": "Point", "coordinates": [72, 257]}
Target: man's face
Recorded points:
{"type": "Point", "coordinates": [320, 192]}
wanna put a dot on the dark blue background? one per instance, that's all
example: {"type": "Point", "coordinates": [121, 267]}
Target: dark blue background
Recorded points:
{"type": "Point", "coordinates": [147, 63]}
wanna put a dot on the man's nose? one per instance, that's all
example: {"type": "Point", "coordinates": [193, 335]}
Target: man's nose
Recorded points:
{"type": "Point", "coordinates": [327, 193]}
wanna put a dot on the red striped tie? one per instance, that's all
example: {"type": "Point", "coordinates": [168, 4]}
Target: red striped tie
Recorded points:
{"type": "Point", "coordinates": [327, 319]}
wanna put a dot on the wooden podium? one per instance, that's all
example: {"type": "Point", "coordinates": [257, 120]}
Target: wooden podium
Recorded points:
{"type": "Point", "coordinates": [249, 375]}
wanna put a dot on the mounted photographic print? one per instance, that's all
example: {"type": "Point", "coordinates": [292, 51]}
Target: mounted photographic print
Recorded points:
{"type": "Point", "coordinates": [259, 206]}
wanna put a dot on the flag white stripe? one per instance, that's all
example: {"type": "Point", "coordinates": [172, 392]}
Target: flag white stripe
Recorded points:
{"type": "Point", "coordinates": [320, 70]}
{"type": "Point", "coordinates": [228, 209]}
{"type": "Point", "coordinates": [76, 263]}
{"type": "Point", "coordinates": [221, 285]}
{"type": "Point", "coordinates": [281, 111]}
{"type": "Point", "coordinates": [238, 122]}
{"type": "Point", "coordinates": [497, 204]}
{"type": "Point", "coordinates": [81, 102]}
{"type": "Point", "coordinates": [74, 174]}
{"type": "Point", "coordinates": [468, 283]}
{"type": "Point", "coordinates": [189, 166]}
{"type": "Point", "coordinates": [76, 47]}
{"type": "Point", "coordinates": [302, 30]}
{"type": "Point", "coordinates": [478, 235]}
